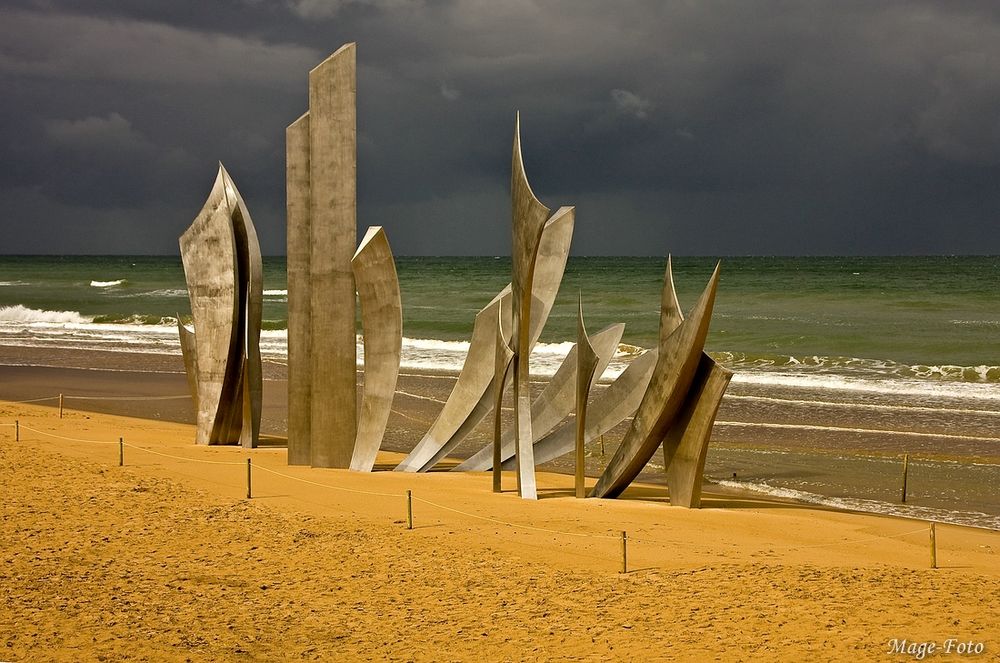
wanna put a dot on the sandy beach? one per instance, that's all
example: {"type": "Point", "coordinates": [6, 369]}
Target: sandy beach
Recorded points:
{"type": "Point", "coordinates": [166, 558]}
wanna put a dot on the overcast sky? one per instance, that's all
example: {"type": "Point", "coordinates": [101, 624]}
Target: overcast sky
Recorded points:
{"type": "Point", "coordinates": [692, 127]}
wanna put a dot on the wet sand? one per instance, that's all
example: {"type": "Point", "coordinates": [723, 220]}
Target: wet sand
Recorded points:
{"type": "Point", "coordinates": [951, 479]}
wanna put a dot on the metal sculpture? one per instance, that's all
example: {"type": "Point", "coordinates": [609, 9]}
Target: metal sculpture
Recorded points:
{"type": "Point", "coordinates": [323, 267]}
{"type": "Point", "coordinates": [528, 217]}
{"type": "Point", "coordinates": [189, 352]}
{"type": "Point", "coordinates": [586, 365]}
{"type": "Point", "coordinates": [299, 243]}
{"type": "Point", "coordinates": [332, 235]}
{"type": "Point", "coordinates": [686, 444]}
{"type": "Point", "coordinates": [680, 352]}
{"type": "Point", "coordinates": [555, 401]}
{"type": "Point", "coordinates": [609, 408]}
{"type": "Point", "coordinates": [382, 322]}
{"type": "Point", "coordinates": [223, 270]}
{"type": "Point", "coordinates": [471, 399]}
{"type": "Point", "coordinates": [504, 356]}
{"type": "Point", "coordinates": [471, 393]}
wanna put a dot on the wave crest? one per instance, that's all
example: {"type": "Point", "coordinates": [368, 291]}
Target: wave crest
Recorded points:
{"type": "Point", "coordinates": [108, 284]}
{"type": "Point", "coordinates": [134, 319]}
{"type": "Point", "coordinates": [23, 314]}
{"type": "Point", "coordinates": [857, 367]}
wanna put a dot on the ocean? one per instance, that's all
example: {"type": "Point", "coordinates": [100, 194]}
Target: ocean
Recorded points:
{"type": "Point", "coordinates": [842, 364]}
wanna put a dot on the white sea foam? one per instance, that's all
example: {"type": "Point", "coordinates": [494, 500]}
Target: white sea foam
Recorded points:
{"type": "Point", "coordinates": [162, 292]}
{"type": "Point", "coordinates": [863, 406]}
{"type": "Point", "coordinates": [437, 355]}
{"type": "Point", "coordinates": [976, 323]}
{"type": "Point", "coordinates": [939, 389]}
{"type": "Point", "coordinates": [969, 518]}
{"type": "Point", "coordinates": [3, 283]}
{"type": "Point", "coordinates": [23, 315]}
{"type": "Point", "coordinates": [275, 293]}
{"type": "Point", "coordinates": [844, 429]}
{"type": "Point", "coordinates": [20, 325]}
{"type": "Point", "coordinates": [108, 284]}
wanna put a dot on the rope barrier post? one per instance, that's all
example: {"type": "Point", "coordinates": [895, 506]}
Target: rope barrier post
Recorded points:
{"type": "Point", "coordinates": [602, 446]}
{"type": "Point", "coordinates": [409, 509]}
{"type": "Point", "coordinates": [906, 462]}
{"type": "Point", "coordinates": [121, 452]}
{"type": "Point", "coordinates": [17, 430]}
{"type": "Point", "coordinates": [60, 405]}
{"type": "Point", "coordinates": [248, 478]}
{"type": "Point", "coordinates": [624, 552]}
{"type": "Point", "coordinates": [933, 547]}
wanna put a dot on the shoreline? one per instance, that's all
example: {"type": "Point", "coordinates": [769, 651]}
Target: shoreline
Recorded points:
{"type": "Point", "coordinates": [782, 458]}
{"type": "Point", "coordinates": [121, 389]}
{"type": "Point", "coordinates": [319, 563]}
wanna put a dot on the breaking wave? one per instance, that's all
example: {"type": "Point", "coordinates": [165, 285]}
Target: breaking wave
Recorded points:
{"type": "Point", "coordinates": [133, 332]}
{"type": "Point", "coordinates": [855, 366]}
{"type": "Point", "coordinates": [133, 319]}
{"type": "Point", "coordinates": [24, 315]}
{"type": "Point", "coordinates": [108, 284]}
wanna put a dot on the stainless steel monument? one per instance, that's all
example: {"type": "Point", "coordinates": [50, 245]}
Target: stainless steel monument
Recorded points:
{"type": "Point", "coordinates": [680, 403]}
{"type": "Point", "coordinates": [323, 270]}
{"type": "Point", "coordinates": [472, 397]}
{"type": "Point", "coordinates": [540, 249]}
{"type": "Point", "coordinates": [223, 270]}
{"type": "Point", "coordinates": [586, 366]}
{"type": "Point", "coordinates": [673, 390]}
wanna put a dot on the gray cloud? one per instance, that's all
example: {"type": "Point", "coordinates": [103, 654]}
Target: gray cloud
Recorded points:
{"type": "Point", "coordinates": [713, 127]}
{"type": "Point", "coordinates": [449, 93]}
{"type": "Point", "coordinates": [629, 103]}
{"type": "Point", "coordinates": [113, 133]}
{"type": "Point", "coordinates": [83, 48]}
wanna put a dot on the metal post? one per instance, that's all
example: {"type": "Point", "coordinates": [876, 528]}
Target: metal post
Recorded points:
{"type": "Point", "coordinates": [17, 430]}
{"type": "Point", "coordinates": [121, 452]}
{"type": "Point", "coordinates": [497, 458]}
{"type": "Point", "coordinates": [933, 547]}
{"type": "Point", "coordinates": [906, 462]}
{"type": "Point", "coordinates": [60, 405]}
{"type": "Point", "coordinates": [248, 478]}
{"type": "Point", "coordinates": [624, 552]}
{"type": "Point", "coordinates": [409, 509]}
{"type": "Point", "coordinates": [602, 446]}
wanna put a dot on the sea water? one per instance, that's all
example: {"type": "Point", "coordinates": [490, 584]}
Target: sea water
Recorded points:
{"type": "Point", "coordinates": [841, 363]}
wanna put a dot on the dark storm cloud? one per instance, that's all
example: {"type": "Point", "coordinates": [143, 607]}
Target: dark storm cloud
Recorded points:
{"type": "Point", "coordinates": [692, 127]}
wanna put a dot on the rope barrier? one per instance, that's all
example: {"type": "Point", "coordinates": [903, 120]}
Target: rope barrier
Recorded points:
{"type": "Point", "coordinates": [37, 400]}
{"type": "Point", "coordinates": [128, 398]}
{"type": "Point", "coordinates": [131, 446]}
{"type": "Point", "coordinates": [192, 460]}
{"type": "Point", "coordinates": [103, 398]}
{"type": "Point", "coordinates": [325, 485]}
{"type": "Point", "coordinates": [868, 540]}
{"type": "Point", "coordinates": [61, 437]}
{"type": "Point", "coordinates": [514, 525]}
{"type": "Point", "coordinates": [409, 495]}
{"type": "Point", "coordinates": [434, 504]}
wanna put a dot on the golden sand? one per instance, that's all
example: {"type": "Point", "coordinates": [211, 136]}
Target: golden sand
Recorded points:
{"type": "Point", "coordinates": [166, 559]}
